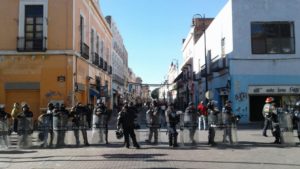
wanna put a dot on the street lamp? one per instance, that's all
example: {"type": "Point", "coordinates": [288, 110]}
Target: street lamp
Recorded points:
{"type": "Point", "coordinates": [194, 24]}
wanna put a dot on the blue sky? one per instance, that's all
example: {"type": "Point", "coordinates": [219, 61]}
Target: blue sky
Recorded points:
{"type": "Point", "coordinates": [153, 30]}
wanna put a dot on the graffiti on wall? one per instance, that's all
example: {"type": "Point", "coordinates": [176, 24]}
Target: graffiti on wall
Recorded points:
{"type": "Point", "coordinates": [240, 97]}
{"type": "Point", "coordinates": [241, 107]}
{"type": "Point", "coordinates": [50, 94]}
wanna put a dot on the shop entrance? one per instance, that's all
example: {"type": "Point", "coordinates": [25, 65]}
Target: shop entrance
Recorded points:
{"type": "Point", "coordinates": [256, 105]}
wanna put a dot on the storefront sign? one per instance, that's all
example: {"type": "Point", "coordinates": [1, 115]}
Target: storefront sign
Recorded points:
{"type": "Point", "coordinates": [274, 90]}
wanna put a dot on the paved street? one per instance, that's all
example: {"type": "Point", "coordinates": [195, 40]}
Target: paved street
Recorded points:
{"type": "Point", "coordinates": [253, 151]}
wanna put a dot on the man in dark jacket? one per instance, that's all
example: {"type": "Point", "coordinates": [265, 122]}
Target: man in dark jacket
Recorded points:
{"type": "Point", "coordinates": [126, 122]}
{"type": "Point", "coordinates": [172, 119]}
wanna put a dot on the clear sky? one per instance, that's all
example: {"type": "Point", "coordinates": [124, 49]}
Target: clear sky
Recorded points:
{"type": "Point", "coordinates": [153, 30]}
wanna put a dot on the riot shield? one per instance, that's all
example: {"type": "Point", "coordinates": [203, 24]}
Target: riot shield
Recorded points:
{"type": "Point", "coordinates": [78, 135]}
{"type": "Point", "coordinates": [25, 130]}
{"type": "Point", "coordinates": [4, 139]}
{"type": "Point", "coordinates": [153, 125]}
{"type": "Point", "coordinates": [56, 130]}
{"type": "Point", "coordinates": [215, 127]}
{"type": "Point", "coordinates": [229, 127]}
{"type": "Point", "coordinates": [189, 135]}
{"type": "Point", "coordinates": [286, 128]}
{"type": "Point", "coordinates": [60, 129]}
{"type": "Point", "coordinates": [100, 129]}
{"type": "Point", "coordinates": [64, 129]}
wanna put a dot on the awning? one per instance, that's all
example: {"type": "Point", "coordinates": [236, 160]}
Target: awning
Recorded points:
{"type": "Point", "coordinates": [94, 92]}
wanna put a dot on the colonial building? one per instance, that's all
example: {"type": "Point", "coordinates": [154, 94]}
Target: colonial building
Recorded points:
{"type": "Point", "coordinates": [251, 52]}
{"type": "Point", "coordinates": [54, 51]}
{"type": "Point", "coordinates": [119, 63]}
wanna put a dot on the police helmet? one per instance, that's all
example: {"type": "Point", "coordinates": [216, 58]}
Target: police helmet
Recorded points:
{"type": "Point", "coordinates": [2, 107]}
{"type": "Point", "coordinates": [119, 134]}
{"type": "Point", "coordinates": [269, 99]}
{"type": "Point", "coordinates": [298, 104]}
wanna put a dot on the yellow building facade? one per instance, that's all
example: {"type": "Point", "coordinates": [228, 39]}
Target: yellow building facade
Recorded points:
{"type": "Point", "coordinates": [54, 51]}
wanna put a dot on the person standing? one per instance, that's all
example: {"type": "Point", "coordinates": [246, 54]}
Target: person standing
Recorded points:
{"type": "Point", "coordinates": [190, 120]}
{"type": "Point", "coordinates": [153, 122]}
{"type": "Point", "coordinates": [14, 114]}
{"type": "Point", "coordinates": [202, 110]}
{"type": "Point", "coordinates": [227, 121]}
{"type": "Point", "coordinates": [25, 127]}
{"type": "Point", "coordinates": [172, 119]}
{"type": "Point", "coordinates": [268, 109]}
{"type": "Point", "coordinates": [103, 116]}
{"type": "Point", "coordinates": [213, 112]}
{"type": "Point", "coordinates": [125, 121]}
{"type": "Point", "coordinates": [297, 117]}
{"type": "Point", "coordinates": [78, 114]}
{"type": "Point", "coordinates": [4, 126]}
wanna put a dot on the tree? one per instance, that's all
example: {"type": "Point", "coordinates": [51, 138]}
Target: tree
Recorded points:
{"type": "Point", "coordinates": [155, 93]}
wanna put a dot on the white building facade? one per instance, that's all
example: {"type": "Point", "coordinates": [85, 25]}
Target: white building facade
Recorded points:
{"type": "Point", "coordinates": [251, 53]}
{"type": "Point", "coordinates": [119, 63]}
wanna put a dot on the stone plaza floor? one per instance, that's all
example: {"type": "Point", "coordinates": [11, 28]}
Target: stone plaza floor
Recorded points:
{"type": "Point", "coordinates": [253, 151]}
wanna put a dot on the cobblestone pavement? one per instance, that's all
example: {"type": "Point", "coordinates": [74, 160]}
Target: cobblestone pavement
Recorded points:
{"type": "Point", "coordinates": [252, 151]}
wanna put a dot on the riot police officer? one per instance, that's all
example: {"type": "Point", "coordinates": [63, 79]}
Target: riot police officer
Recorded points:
{"type": "Point", "coordinates": [101, 123]}
{"type": "Point", "coordinates": [78, 114]}
{"type": "Point", "coordinates": [213, 112]}
{"type": "Point", "coordinates": [273, 117]}
{"type": "Point", "coordinates": [4, 127]}
{"type": "Point", "coordinates": [125, 121]}
{"type": "Point", "coordinates": [227, 121]}
{"type": "Point", "coordinates": [172, 119]}
{"type": "Point", "coordinates": [153, 122]}
{"type": "Point", "coordinates": [192, 121]}
{"type": "Point", "coordinates": [297, 117]}
{"type": "Point", "coordinates": [60, 121]}
{"type": "Point", "coordinates": [268, 109]}
{"type": "Point", "coordinates": [25, 127]}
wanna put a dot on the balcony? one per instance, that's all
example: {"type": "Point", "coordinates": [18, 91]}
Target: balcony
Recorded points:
{"type": "Point", "coordinates": [105, 66]}
{"type": "Point", "coordinates": [110, 70]}
{"type": "Point", "coordinates": [85, 49]}
{"type": "Point", "coordinates": [95, 59]}
{"type": "Point", "coordinates": [101, 63]}
{"type": "Point", "coordinates": [31, 45]}
{"type": "Point", "coordinates": [218, 65]}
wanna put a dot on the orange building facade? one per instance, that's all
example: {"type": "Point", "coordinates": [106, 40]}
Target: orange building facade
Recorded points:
{"type": "Point", "coordinates": [54, 51]}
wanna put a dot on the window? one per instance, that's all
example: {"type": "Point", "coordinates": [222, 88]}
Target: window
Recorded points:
{"type": "Point", "coordinates": [97, 44]}
{"type": "Point", "coordinates": [33, 28]}
{"type": "Point", "coordinates": [81, 33]}
{"type": "Point", "coordinates": [272, 37]}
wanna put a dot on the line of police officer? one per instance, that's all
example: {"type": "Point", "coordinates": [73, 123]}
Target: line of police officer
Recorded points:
{"type": "Point", "coordinates": [57, 122]}
{"type": "Point", "coordinates": [54, 125]}
{"type": "Point", "coordinates": [281, 121]}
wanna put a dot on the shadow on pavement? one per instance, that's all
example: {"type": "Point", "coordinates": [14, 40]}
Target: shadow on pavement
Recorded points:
{"type": "Point", "coordinates": [16, 152]}
{"type": "Point", "coordinates": [132, 156]}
